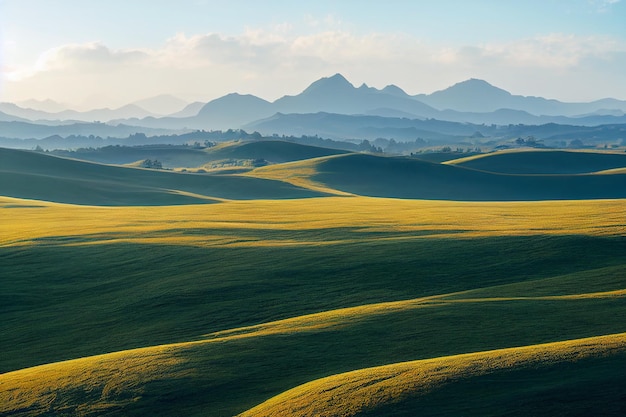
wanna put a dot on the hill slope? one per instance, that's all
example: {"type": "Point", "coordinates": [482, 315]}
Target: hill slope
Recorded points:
{"type": "Point", "coordinates": [234, 303]}
{"type": "Point", "coordinates": [538, 380]}
{"type": "Point", "coordinates": [544, 162]}
{"type": "Point", "coordinates": [272, 151]}
{"type": "Point", "coordinates": [397, 177]}
{"type": "Point", "coordinates": [37, 176]}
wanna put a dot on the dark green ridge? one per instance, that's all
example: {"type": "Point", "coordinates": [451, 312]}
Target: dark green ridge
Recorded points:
{"type": "Point", "coordinates": [398, 177]}
{"type": "Point", "coordinates": [546, 162]}
{"type": "Point", "coordinates": [31, 175]}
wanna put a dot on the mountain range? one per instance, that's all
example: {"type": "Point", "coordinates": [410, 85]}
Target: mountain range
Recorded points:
{"type": "Point", "coordinates": [472, 100]}
{"type": "Point", "coordinates": [336, 109]}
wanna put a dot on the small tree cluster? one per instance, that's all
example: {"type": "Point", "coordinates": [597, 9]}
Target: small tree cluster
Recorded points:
{"type": "Point", "coordinates": [148, 163]}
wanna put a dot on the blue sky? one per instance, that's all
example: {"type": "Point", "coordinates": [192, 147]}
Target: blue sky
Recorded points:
{"type": "Point", "coordinates": [97, 52]}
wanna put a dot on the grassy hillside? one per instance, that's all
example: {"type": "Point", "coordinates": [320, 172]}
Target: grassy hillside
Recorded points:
{"type": "Point", "coordinates": [396, 177]}
{"type": "Point", "coordinates": [275, 151]}
{"type": "Point", "coordinates": [137, 303]}
{"type": "Point", "coordinates": [540, 380]}
{"type": "Point", "coordinates": [544, 162]}
{"type": "Point", "coordinates": [33, 175]}
{"type": "Point", "coordinates": [272, 151]}
{"type": "Point", "coordinates": [234, 303]}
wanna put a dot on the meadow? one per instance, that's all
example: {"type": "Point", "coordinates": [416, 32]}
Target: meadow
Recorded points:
{"type": "Point", "coordinates": [331, 305]}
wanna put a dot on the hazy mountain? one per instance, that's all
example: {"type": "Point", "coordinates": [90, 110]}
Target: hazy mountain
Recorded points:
{"type": "Point", "coordinates": [164, 104]}
{"type": "Point", "coordinates": [190, 110]}
{"type": "Point", "coordinates": [49, 106]}
{"type": "Point", "coordinates": [25, 130]}
{"type": "Point", "coordinates": [104, 115]}
{"type": "Point", "coordinates": [10, 118]}
{"type": "Point", "coordinates": [603, 112]}
{"type": "Point", "coordinates": [510, 116]}
{"type": "Point", "coordinates": [232, 111]}
{"type": "Point", "coordinates": [479, 96]}
{"type": "Point", "coordinates": [472, 95]}
{"type": "Point", "coordinates": [23, 113]}
{"type": "Point", "coordinates": [387, 112]}
{"type": "Point", "coordinates": [337, 95]}
{"type": "Point", "coordinates": [341, 126]}
{"type": "Point", "coordinates": [394, 90]}
{"type": "Point", "coordinates": [472, 101]}
{"type": "Point", "coordinates": [101, 115]}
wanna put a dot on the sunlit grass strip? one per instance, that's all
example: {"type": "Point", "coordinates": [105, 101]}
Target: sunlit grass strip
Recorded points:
{"type": "Point", "coordinates": [353, 392]}
{"type": "Point", "coordinates": [525, 150]}
{"type": "Point", "coordinates": [611, 171]}
{"type": "Point", "coordinates": [27, 222]}
{"type": "Point", "coordinates": [112, 380]}
{"type": "Point", "coordinates": [298, 173]}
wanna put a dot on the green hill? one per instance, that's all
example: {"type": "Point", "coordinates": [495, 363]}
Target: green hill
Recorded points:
{"type": "Point", "coordinates": [544, 162]}
{"type": "Point", "coordinates": [33, 175]}
{"type": "Point", "coordinates": [575, 378]}
{"type": "Point", "coordinates": [272, 151]}
{"type": "Point", "coordinates": [377, 176]}
{"type": "Point", "coordinates": [212, 310]}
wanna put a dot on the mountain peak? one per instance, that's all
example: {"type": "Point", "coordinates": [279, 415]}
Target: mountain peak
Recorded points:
{"type": "Point", "coordinates": [394, 90]}
{"type": "Point", "coordinates": [474, 87]}
{"type": "Point", "coordinates": [329, 84]}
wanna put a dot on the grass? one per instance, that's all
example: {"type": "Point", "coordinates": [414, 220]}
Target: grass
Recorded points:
{"type": "Point", "coordinates": [273, 151]}
{"type": "Point", "coordinates": [227, 371]}
{"type": "Point", "coordinates": [367, 391]}
{"type": "Point", "coordinates": [213, 309]}
{"type": "Point", "coordinates": [302, 222]}
{"type": "Point", "coordinates": [544, 161]}
{"type": "Point", "coordinates": [32, 175]}
{"type": "Point", "coordinates": [267, 304]}
{"type": "Point", "coordinates": [412, 178]}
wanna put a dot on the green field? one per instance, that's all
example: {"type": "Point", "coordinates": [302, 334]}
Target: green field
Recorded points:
{"type": "Point", "coordinates": [190, 157]}
{"type": "Point", "coordinates": [544, 162]}
{"type": "Point", "coordinates": [281, 298]}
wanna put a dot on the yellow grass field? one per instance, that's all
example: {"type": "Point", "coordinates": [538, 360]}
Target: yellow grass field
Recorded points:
{"type": "Point", "coordinates": [26, 222]}
{"type": "Point", "coordinates": [115, 382]}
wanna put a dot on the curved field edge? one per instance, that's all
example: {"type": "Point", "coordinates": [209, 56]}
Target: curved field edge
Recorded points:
{"type": "Point", "coordinates": [363, 391]}
{"type": "Point", "coordinates": [545, 161]}
{"type": "Point", "coordinates": [111, 382]}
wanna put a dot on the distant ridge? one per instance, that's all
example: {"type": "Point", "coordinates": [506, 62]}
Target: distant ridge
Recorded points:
{"type": "Point", "coordinates": [233, 110]}
{"type": "Point", "coordinates": [476, 95]}
{"type": "Point", "coordinates": [472, 95]}
{"type": "Point", "coordinates": [164, 104]}
{"type": "Point", "coordinates": [471, 101]}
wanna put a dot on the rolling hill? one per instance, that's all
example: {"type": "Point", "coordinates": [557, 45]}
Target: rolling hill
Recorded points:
{"type": "Point", "coordinates": [33, 175]}
{"type": "Point", "coordinates": [397, 177]}
{"type": "Point", "coordinates": [512, 382]}
{"type": "Point", "coordinates": [544, 162]}
{"type": "Point", "coordinates": [213, 310]}
{"type": "Point", "coordinates": [280, 299]}
{"type": "Point", "coordinates": [271, 151]}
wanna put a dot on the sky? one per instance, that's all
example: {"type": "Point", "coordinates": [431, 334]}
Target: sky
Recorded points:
{"type": "Point", "coordinates": [107, 53]}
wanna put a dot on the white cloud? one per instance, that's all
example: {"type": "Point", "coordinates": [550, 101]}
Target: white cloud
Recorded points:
{"type": "Point", "coordinates": [274, 62]}
{"type": "Point", "coordinates": [92, 56]}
